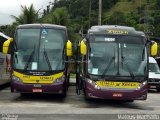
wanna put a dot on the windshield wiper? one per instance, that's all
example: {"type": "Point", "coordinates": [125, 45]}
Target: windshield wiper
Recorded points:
{"type": "Point", "coordinates": [108, 66]}
{"type": "Point", "coordinates": [127, 66]}
{"type": "Point", "coordinates": [47, 59]}
{"type": "Point", "coordinates": [30, 58]}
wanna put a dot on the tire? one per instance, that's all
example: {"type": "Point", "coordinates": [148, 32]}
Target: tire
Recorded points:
{"type": "Point", "coordinates": [24, 94]}
{"type": "Point", "coordinates": [86, 97]}
{"type": "Point", "coordinates": [68, 81]}
{"type": "Point", "coordinates": [130, 101]}
{"type": "Point", "coordinates": [64, 94]}
{"type": "Point", "coordinates": [158, 89]}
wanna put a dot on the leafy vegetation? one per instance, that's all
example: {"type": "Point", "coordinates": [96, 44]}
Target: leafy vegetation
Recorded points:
{"type": "Point", "coordinates": [79, 15]}
{"type": "Point", "coordinates": [142, 14]}
{"type": "Point", "coordinates": [28, 15]}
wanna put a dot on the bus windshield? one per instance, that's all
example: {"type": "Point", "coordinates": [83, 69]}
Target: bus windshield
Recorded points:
{"type": "Point", "coordinates": [39, 49]}
{"type": "Point", "coordinates": [117, 56]}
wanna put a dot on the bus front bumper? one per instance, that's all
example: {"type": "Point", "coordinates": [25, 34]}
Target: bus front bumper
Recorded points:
{"type": "Point", "coordinates": [116, 94]}
{"type": "Point", "coordinates": [56, 88]}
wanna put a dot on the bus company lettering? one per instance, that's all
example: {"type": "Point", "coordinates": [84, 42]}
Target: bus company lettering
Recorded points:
{"type": "Point", "coordinates": [46, 78]}
{"type": "Point", "coordinates": [117, 32]}
{"type": "Point", "coordinates": [26, 76]}
{"type": "Point", "coordinates": [128, 84]}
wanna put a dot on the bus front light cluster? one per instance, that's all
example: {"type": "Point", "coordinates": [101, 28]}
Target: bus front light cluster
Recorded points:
{"type": "Point", "coordinates": [93, 83]}
{"type": "Point", "coordinates": [97, 87]}
{"type": "Point", "coordinates": [141, 85]}
{"type": "Point", "coordinates": [144, 83]}
{"type": "Point", "coordinates": [60, 80]}
{"type": "Point", "coordinates": [16, 79]}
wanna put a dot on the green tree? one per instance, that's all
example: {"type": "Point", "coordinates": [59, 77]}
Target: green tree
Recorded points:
{"type": "Point", "coordinates": [117, 18]}
{"type": "Point", "coordinates": [59, 16]}
{"type": "Point", "coordinates": [29, 15]}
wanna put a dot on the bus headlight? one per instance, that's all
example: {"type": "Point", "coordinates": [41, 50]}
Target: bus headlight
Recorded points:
{"type": "Point", "coordinates": [144, 83]}
{"type": "Point", "coordinates": [141, 85]}
{"type": "Point", "coordinates": [91, 81]}
{"type": "Point", "coordinates": [16, 79]}
{"type": "Point", "coordinates": [60, 80]}
{"type": "Point", "coordinates": [97, 87]}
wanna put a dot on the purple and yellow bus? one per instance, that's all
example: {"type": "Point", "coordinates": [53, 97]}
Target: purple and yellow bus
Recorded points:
{"type": "Point", "coordinates": [114, 63]}
{"type": "Point", "coordinates": [38, 59]}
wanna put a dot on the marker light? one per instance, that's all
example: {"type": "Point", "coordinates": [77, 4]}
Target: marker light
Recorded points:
{"type": "Point", "coordinates": [144, 83]}
{"type": "Point", "coordinates": [15, 78]}
{"type": "Point", "coordinates": [60, 80]}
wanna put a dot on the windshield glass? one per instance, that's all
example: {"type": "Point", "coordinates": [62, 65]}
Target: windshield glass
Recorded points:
{"type": "Point", "coordinates": [153, 67]}
{"type": "Point", "coordinates": [39, 49]}
{"type": "Point", "coordinates": [117, 56]}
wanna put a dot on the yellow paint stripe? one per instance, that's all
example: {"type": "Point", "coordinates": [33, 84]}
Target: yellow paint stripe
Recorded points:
{"type": "Point", "coordinates": [37, 79]}
{"type": "Point", "coordinates": [129, 85]}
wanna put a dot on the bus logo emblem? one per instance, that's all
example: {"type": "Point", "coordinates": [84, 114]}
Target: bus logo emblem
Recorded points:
{"type": "Point", "coordinates": [37, 81]}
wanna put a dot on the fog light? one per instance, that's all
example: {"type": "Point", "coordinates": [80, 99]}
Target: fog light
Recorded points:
{"type": "Point", "coordinates": [138, 87]}
{"type": "Point", "coordinates": [90, 81]}
{"type": "Point", "coordinates": [97, 87]}
{"type": "Point", "coordinates": [60, 80]}
{"type": "Point", "coordinates": [15, 78]}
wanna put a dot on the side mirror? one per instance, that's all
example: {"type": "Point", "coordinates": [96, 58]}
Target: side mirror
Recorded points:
{"type": "Point", "coordinates": [83, 48]}
{"type": "Point", "coordinates": [154, 49]}
{"type": "Point", "coordinates": [69, 48]}
{"type": "Point", "coordinates": [6, 45]}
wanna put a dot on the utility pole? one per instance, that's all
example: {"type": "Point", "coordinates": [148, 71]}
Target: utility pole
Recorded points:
{"type": "Point", "coordinates": [100, 12]}
{"type": "Point", "coordinates": [89, 13]}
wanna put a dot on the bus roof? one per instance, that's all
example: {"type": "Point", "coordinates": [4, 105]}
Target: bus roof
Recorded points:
{"type": "Point", "coordinates": [42, 26]}
{"type": "Point", "coordinates": [4, 36]}
{"type": "Point", "coordinates": [115, 30]}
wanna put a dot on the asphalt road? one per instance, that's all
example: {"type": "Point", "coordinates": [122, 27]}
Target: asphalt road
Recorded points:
{"type": "Point", "coordinates": [73, 107]}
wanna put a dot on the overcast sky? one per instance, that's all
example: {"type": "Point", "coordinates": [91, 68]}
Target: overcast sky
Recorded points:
{"type": "Point", "coordinates": [12, 7]}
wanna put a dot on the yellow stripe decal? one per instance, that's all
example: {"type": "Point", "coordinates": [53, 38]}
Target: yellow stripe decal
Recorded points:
{"type": "Point", "coordinates": [37, 79]}
{"type": "Point", "coordinates": [127, 85]}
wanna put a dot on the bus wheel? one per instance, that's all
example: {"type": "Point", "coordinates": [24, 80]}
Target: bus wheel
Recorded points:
{"type": "Point", "coordinates": [158, 89]}
{"type": "Point", "coordinates": [24, 94]}
{"type": "Point", "coordinates": [64, 94]}
{"type": "Point", "coordinates": [86, 97]}
{"type": "Point", "coordinates": [68, 81]}
{"type": "Point", "coordinates": [130, 101]}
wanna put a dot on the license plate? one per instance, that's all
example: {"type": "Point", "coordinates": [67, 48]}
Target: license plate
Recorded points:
{"type": "Point", "coordinates": [37, 90]}
{"type": "Point", "coordinates": [37, 85]}
{"type": "Point", "coordinates": [153, 87]}
{"type": "Point", "coordinates": [129, 85]}
{"type": "Point", "coordinates": [117, 95]}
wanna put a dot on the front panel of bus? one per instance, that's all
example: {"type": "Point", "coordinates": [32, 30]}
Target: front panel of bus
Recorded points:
{"type": "Point", "coordinates": [116, 67]}
{"type": "Point", "coordinates": [39, 60]}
